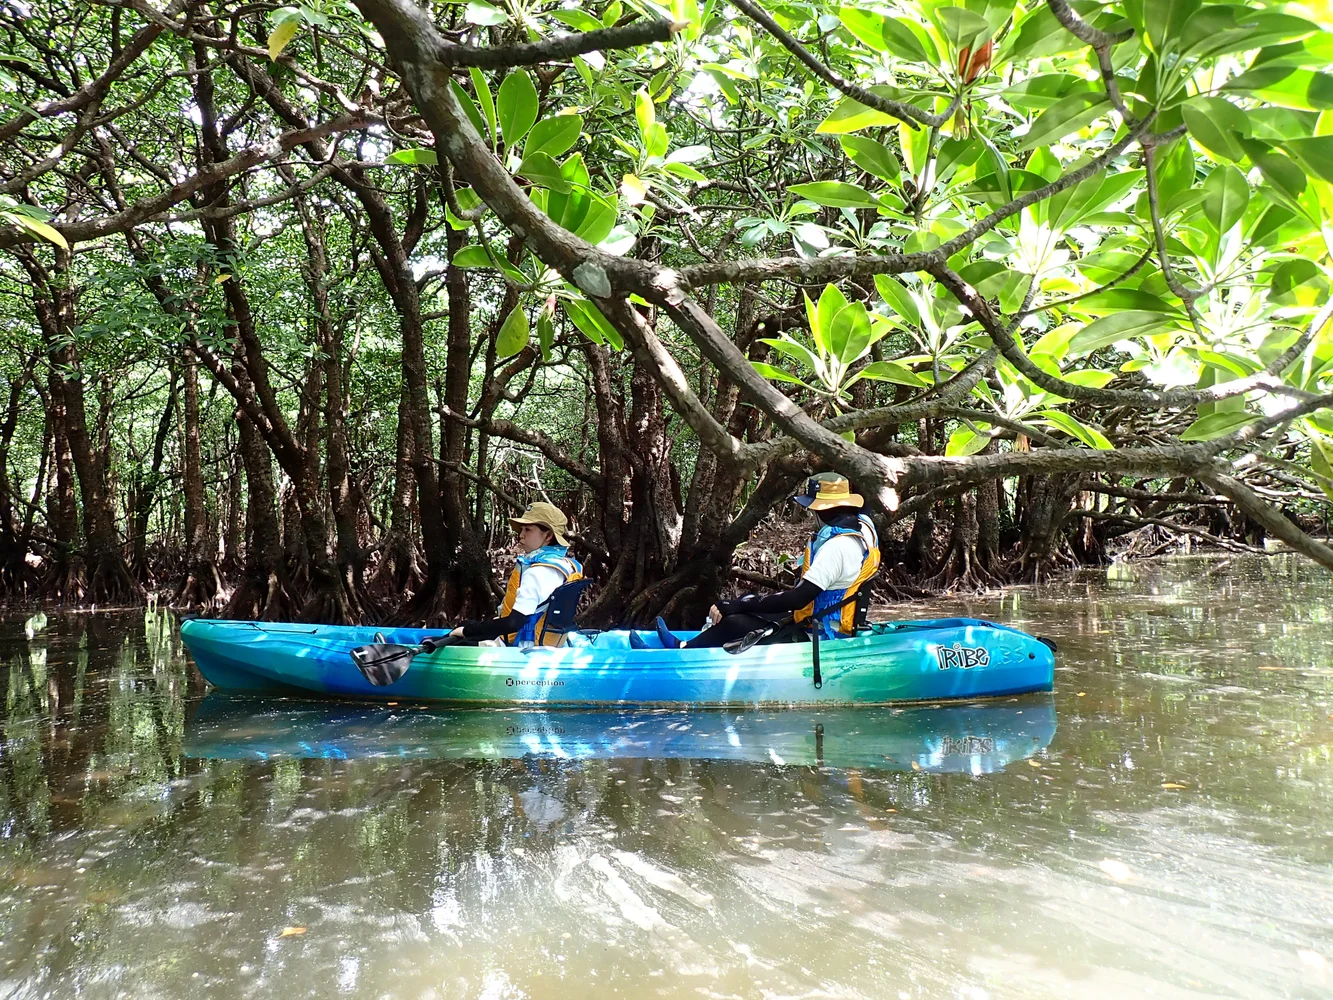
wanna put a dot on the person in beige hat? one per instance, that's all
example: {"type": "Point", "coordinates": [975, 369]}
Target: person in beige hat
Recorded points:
{"type": "Point", "coordinates": [543, 565]}
{"type": "Point", "coordinates": [840, 558]}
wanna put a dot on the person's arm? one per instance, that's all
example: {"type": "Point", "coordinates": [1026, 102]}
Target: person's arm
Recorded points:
{"type": "Point", "coordinates": [496, 627]}
{"type": "Point", "coordinates": [789, 600]}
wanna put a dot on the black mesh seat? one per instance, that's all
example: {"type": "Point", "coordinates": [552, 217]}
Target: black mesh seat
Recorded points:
{"type": "Point", "coordinates": [559, 610]}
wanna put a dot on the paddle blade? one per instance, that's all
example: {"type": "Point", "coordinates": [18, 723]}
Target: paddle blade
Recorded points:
{"type": "Point", "coordinates": [383, 663]}
{"type": "Point", "coordinates": [747, 641]}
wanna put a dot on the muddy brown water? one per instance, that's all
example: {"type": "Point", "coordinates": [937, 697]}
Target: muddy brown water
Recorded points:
{"type": "Point", "coordinates": [1173, 838]}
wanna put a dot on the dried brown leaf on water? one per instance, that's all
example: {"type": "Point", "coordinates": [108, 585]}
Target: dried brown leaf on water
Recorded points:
{"type": "Point", "coordinates": [292, 932]}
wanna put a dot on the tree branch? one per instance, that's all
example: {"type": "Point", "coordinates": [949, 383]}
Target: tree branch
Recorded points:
{"type": "Point", "coordinates": [559, 46]}
{"type": "Point", "coordinates": [911, 115]}
{"type": "Point", "coordinates": [825, 269]}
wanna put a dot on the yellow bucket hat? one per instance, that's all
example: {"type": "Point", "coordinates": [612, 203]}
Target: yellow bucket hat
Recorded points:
{"type": "Point", "coordinates": [826, 490]}
{"type": "Point", "coordinates": [548, 516]}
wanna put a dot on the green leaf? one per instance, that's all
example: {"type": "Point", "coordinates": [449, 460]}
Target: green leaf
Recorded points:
{"type": "Point", "coordinates": [469, 108]}
{"type": "Point", "coordinates": [599, 220]}
{"type": "Point", "coordinates": [962, 27]}
{"type": "Point", "coordinates": [1075, 428]}
{"type": "Point", "coordinates": [778, 375]}
{"type": "Point", "coordinates": [1302, 89]}
{"type": "Point", "coordinates": [541, 169]}
{"type": "Point", "coordinates": [690, 154]}
{"type": "Point", "coordinates": [1216, 425]}
{"type": "Point", "coordinates": [849, 335]}
{"type": "Point", "coordinates": [1283, 175]}
{"type": "Point", "coordinates": [1298, 283]}
{"type": "Point", "coordinates": [851, 116]}
{"type": "Point", "coordinates": [1226, 195]}
{"type": "Point", "coordinates": [590, 321]}
{"type": "Point", "coordinates": [1315, 153]}
{"type": "Point", "coordinates": [577, 19]}
{"type": "Point", "coordinates": [283, 32]}
{"type": "Point", "coordinates": [517, 108]}
{"type": "Point", "coordinates": [795, 349]}
{"type": "Point", "coordinates": [479, 12]}
{"type": "Point", "coordinates": [835, 194]}
{"type": "Point", "coordinates": [1118, 300]}
{"type": "Point", "coordinates": [1175, 171]}
{"type": "Point", "coordinates": [554, 136]}
{"type": "Point", "coordinates": [1321, 462]}
{"type": "Point", "coordinates": [684, 170]}
{"type": "Point", "coordinates": [1165, 22]}
{"type": "Point", "coordinates": [37, 227]}
{"type": "Point", "coordinates": [1045, 90]}
{"type": "Point", "coordinates": [472, 256]}
{"type": "Point", "coordinates": [414, 157]}
{"type": "Point", "coordinates": [545, 334]}
{"type": "Point", "coordinates": [883, 33]}
{"type": "Point", "coordinates": [915, 145]}
{"type": "Point", "coordinates": [965, 441]}
{"type": "Point", "coordinates": [513, 336]}
{"type": "Point", "coordinates": [898, 298]}
{"type": "Point", "coordinates": [1065, 116]}
{"type": "Point", "coordinates": [1118, 326]}
{"type": "Point", "coordinates": [485, 99]}
{"type": "Point", "coordinates": [872, 157]}
{"type": "Point", "coordinates": [1037, 36]}
{"type": "Point", "coordinates": [831, 302]}
{"type": "Point", "coordinates": [1055, 343]}
{"type": "Point", "coordinates": [644, 113]}
{"type": "Point", "coordinates": [1217, 125]}
{"type": "Point", "coordinates": [891, 371]}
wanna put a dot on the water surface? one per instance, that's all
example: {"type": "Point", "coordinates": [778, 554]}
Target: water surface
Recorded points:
{"type": "Point", "coordinates": [1162, 827]}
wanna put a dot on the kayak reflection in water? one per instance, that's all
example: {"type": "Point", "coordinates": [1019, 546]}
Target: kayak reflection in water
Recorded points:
{"type": "Point", "coordinates": [975, 738]}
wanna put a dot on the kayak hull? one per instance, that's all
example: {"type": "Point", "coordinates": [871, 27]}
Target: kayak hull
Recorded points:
{"type": "Point", "coordinates": [955, 658]}
{"type": "Point", "coordinates": [972, 737]}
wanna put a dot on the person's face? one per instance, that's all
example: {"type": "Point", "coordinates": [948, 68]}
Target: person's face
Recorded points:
{"type": "Point", "coordinates": [531, 537]}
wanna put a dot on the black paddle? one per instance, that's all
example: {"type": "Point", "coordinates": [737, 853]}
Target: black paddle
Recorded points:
{"type": "Point", "coordinates": [383, 663]}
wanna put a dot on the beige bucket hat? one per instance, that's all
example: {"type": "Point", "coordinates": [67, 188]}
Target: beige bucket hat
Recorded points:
{"type": "Point", "coordinates": [548, 516]}
{"type": "Point", "coordinates": [826, 490]}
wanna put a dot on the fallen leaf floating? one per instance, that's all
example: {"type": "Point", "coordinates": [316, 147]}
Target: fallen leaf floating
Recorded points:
{"type": "Point", "coordinates": [292, 932]}
{"type": "Point", "coordinates": [1083, 694]}
{"type": "Point", "coordinates": [1116, 870]}
{"type": "Point", "coordinates": [916, 766]}
{"type": "Point", "coordinates": [1172, 784]}
{"type": "Point", "coordinates": [1034, 763]}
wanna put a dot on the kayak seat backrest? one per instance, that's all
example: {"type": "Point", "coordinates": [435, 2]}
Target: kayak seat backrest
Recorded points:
{"type": "Point", "coordinates": [559, 610]}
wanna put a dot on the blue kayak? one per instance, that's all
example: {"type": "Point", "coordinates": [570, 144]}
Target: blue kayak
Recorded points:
{"type": "Point", "coordinates": [948, 658]}
{"type": "Point", "coordinates": [977, 738]}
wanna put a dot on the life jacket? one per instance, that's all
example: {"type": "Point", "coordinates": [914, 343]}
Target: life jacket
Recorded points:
{"type": "Point", "coordinates": [557, 558]}
{"type": "Point", "coordinates": [842, 623]}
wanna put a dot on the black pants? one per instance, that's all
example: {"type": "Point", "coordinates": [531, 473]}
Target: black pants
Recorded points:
{"type": "Point", "coordinates": [732, 627]}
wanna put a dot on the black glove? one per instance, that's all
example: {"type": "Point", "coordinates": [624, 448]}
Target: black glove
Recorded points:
{"type": "Point", "coordinates": [433, 642]}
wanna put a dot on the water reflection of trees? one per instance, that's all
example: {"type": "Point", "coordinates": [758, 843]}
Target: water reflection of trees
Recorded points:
{"type": "Point", "coordinates": [106, 827]}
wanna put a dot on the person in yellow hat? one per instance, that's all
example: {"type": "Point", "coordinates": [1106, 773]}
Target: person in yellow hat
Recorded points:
{"type": "Point", "coordinates": [840, 559]}
{"type": "Point", "coordinates": [544, 563]}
